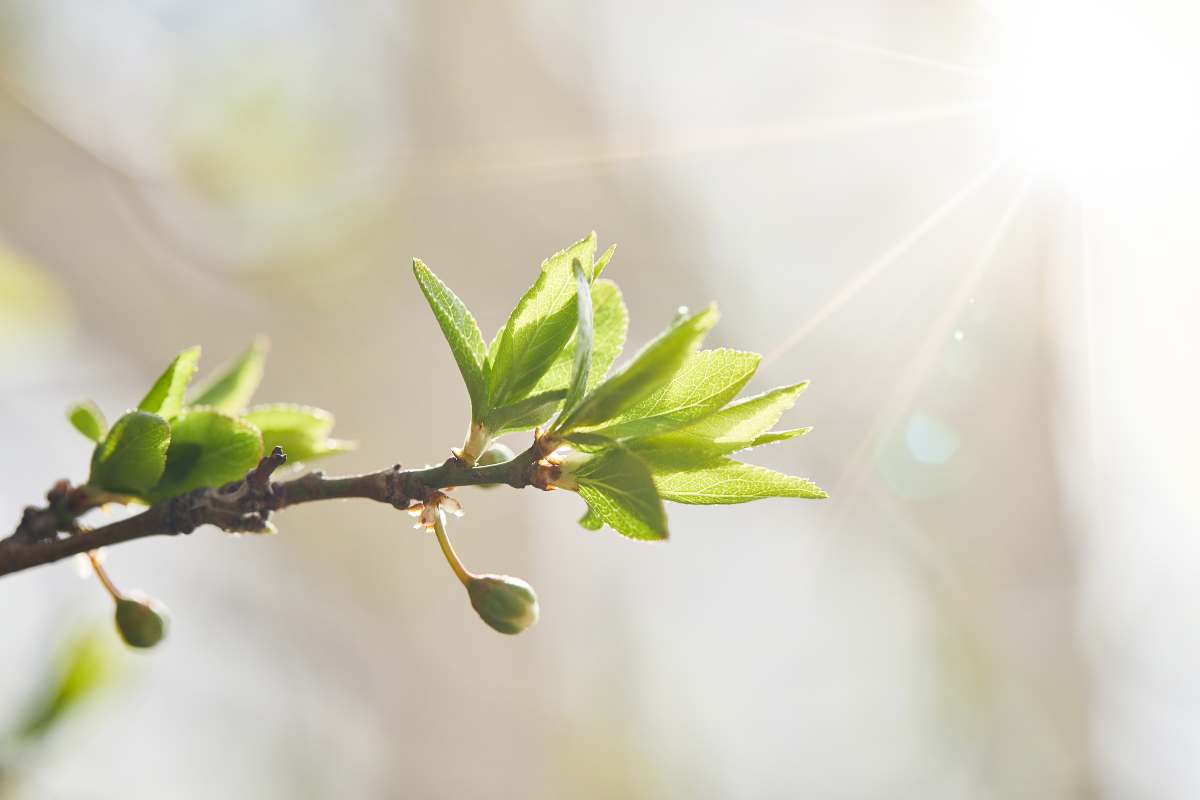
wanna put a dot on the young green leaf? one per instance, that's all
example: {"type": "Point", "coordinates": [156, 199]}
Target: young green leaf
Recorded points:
{"type": "Point", "coordinates": [209, 447]}
{"type": "Point", "coordinates": [461, 332]}
{"type": "Point", "coordinates": [591, 520]}
{"type": "Point", "coordinates": [609, 323]}
{"type": "Point", "coordinates": [583, 338]}
{"type": "Point", "coordinates": [131, 457]}
{"type": "Point", "coordinates": [619, 489]}
{"type": "Point", "coordinates": [232, 389]}
{"type": "Point", "coordinates": [650, 369]}
{"type": "Point", "coordinates": [779, 436]}
{"type": "Point", "coordinates": [88, 420]}
{"type": "Point", "coordinates": [603, 260]}
{"type": "Point", "coordinates": [524, 414]}
{"type": "Point", "coordinates": [165, 397]}
{"type": "Point", "coordinates": [302, 431]}
{"type": "Point", "coordinates": [86, 664]}
{"type": "Point", "coordinates": [736, 427]}
{"type": "Point", "coordinates": [539, 326]}
{"type": "Point", "coordinates": [588, 442]}
{"type": "Point", "coordinates": [707, 380]}
{"type": "Point", "coordinates": [726, 481]}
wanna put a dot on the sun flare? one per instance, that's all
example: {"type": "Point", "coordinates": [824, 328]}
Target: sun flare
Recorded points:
{"type": "Point", "coordinates": [1089, 91]}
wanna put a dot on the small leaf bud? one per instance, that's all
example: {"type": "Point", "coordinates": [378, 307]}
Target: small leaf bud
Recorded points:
{"type": "Point", "coordinates": [496, 454]}
{"type": "Point", "coordinates": [507, 604]}
{"type": "Point", "coordinates": [568, 464]}
{"type": "Point", "coordinates": [141, 621]}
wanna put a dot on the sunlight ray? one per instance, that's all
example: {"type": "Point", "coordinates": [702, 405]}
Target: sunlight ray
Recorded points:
{"type": "Point", "coordinates": [739, 139]}
{"type": "Point", "coordinates": [883, 52]}
{"type": "Point", "coordinates": [847, 489]}
{"type": "Point", "coordinates": [894, 253]}
{"type": "Point", "coordinates": [926, 355]}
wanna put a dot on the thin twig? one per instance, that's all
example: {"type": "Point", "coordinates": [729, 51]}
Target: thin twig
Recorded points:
{"type": "Point", "coordinates": [51, 532]}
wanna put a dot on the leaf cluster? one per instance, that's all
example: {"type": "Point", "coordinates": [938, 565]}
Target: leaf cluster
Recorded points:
{"type": "Point", "coordinates": [663, 426]}
{"type": "Point", "coordinates": [175, 441]}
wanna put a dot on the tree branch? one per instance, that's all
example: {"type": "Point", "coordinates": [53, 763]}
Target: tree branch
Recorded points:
{"type": "Point", "coordinates": [53, 532]}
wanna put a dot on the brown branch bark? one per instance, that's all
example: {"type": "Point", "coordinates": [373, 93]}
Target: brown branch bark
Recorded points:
{"type": "Point", "coordinates": [53, 532]}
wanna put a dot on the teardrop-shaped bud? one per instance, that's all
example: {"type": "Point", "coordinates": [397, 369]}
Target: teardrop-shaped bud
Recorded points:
{"type": "Point", "coordinates": [507, 604]}
{"type": "Point", "coordinates": [141, 621]}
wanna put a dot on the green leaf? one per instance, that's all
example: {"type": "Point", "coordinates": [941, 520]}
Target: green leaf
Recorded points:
{"type": "Point", "coordinates": [584, 331]}
{"type": "Point", "coordinates": [492, 349]}
{"type": "Point", "coordinates": [209, 447]}
{"type": "Point", "coordinates": [165, 397]}
{"type": "Point", "coordinates": [302, 431]}
{"type": "Point", "coordinates": [86, 664]}
{"type": "Point", "coordinates": [609, 323]}
{"type": "Point", "coordinates": [88, 420]}
{"type": "Point", "coordinates": [524, 414]}
{"type": "Point", "coordinates": [539, 326]}
{"type": "Point", "coordinates": [619, 489]}
{"type": "Point", "coordinates": [726, 481]}
{"type": "Point", "coordinates": [706, 381]}
{"type": "Point", "coordinates": [779, 436]}
{"type": "Point", "coordinates": [650, 369]}
{"type": "Point", "coordinates": [603, 260]}
{"type": "Point", "coordinates": [461, 332]}
{"type": "Point", "coordinates": [589, 442]}
{"type": "Point", "coordinates": [131, 457]}
{"type": "Point", "coordinates": [232, 389]}
{"type": "Point", "coordinates": [591, 520]}
{"type": "Point", "coordinates": [736, 427]}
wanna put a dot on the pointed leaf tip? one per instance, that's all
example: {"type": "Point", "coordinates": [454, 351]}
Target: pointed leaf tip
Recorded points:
{"type": "Point", "coordinates": [461, 332]}
{"type": "Point", "coordinates": [165, 397]}
{"type": "Point", "coordinates": [725, 481]}
{"type": "Point", "coordinates": [537, 331]}
{"type": "Point", "coordinates": [233, 387]}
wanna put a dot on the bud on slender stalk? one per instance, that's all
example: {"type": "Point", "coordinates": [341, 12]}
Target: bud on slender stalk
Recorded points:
{"type": "Point", "coordinates": [507, 604]}
{"type": "Point", "coordinates": [141, 621]}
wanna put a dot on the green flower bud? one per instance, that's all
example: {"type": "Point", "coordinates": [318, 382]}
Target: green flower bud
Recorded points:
{"type": "Point", "coordinates": [507, 604]}
{"type": "Point", "coordinates": [141, 621]}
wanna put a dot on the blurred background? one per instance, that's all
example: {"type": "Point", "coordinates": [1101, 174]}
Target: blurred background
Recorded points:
{"type": "Point", "coordinates": [972, 225]}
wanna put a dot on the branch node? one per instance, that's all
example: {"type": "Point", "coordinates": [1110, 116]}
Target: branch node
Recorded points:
{"type": "Point", "coordinates": [260, 476]}
{"type": "Point", "coordinates": [543, 474]}
{"type": "Point", "coordinates": [396, 490]}
{"type": "Point", "coordinates": [180, 514]}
